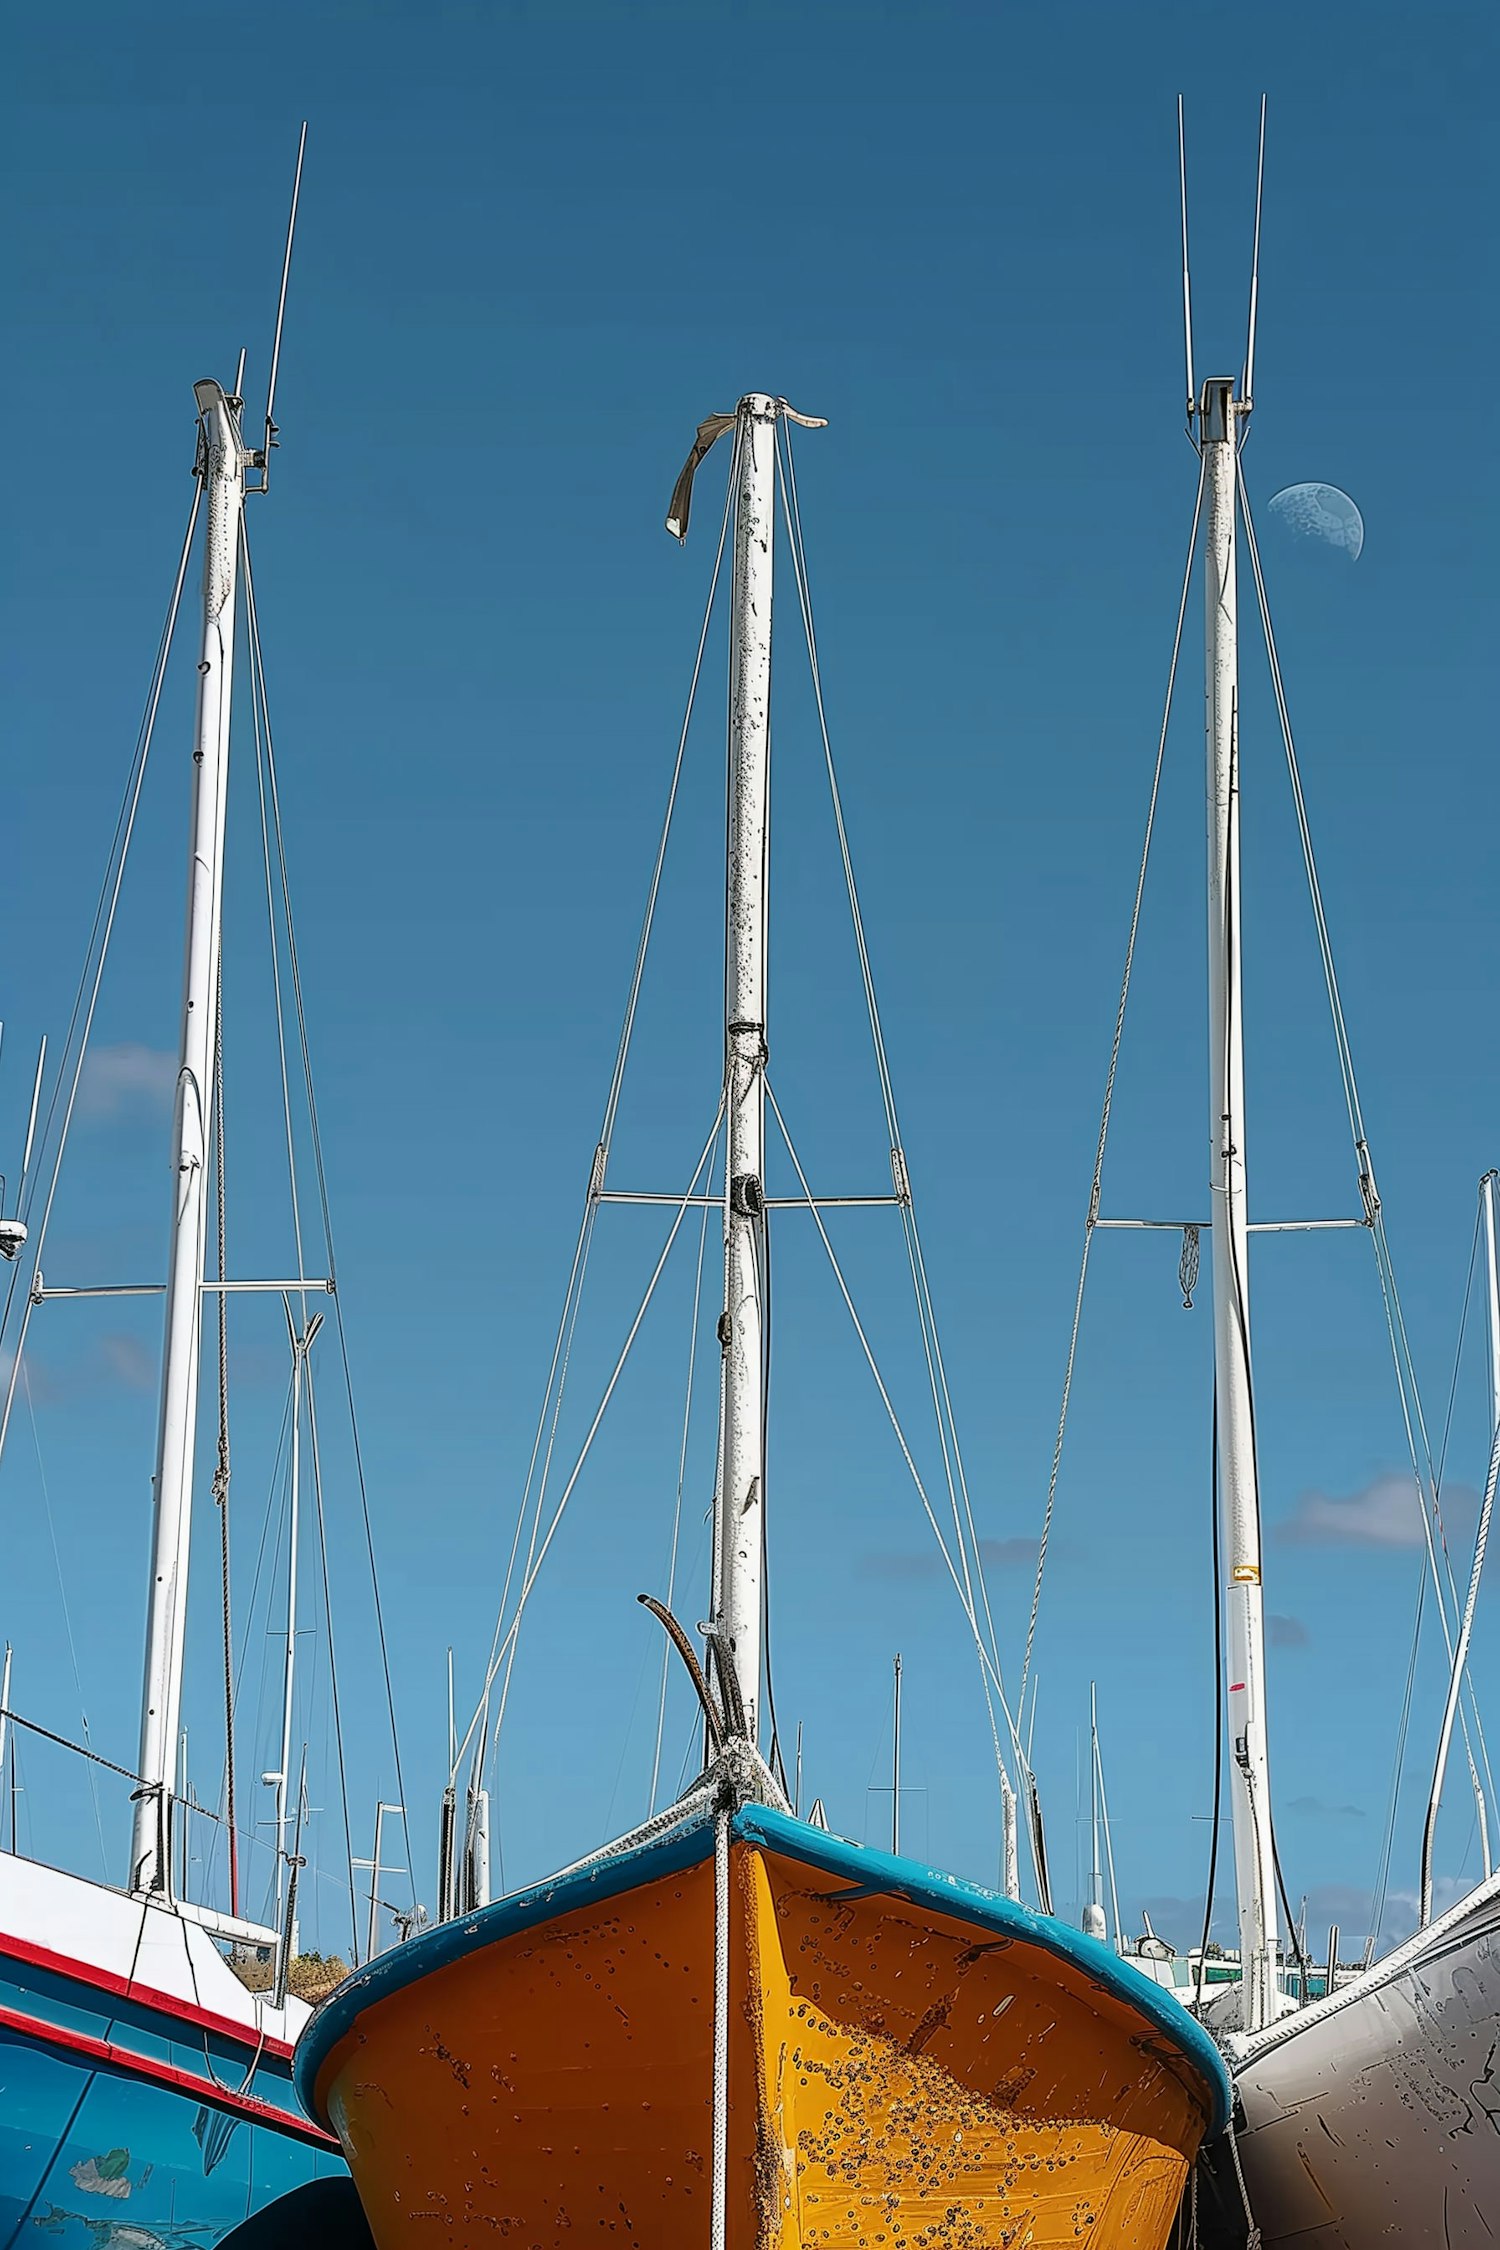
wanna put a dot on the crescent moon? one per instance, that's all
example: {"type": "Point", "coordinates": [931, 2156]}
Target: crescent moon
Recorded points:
{"type": "Point", "coordinates": [1321, 511]}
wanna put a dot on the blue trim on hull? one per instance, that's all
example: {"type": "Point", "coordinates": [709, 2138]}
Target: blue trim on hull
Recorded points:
{"type": "Point", "coordinates": [930, 1887]}
{"type": "Point", "coordinates": [869, 1871]}
{"type": "Point", "coordinates": [91, 2155]}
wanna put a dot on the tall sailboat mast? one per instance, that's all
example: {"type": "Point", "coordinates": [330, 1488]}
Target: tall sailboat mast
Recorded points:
{"type": "Point", "coordinates": [221, 464]}
{"type": "Point", "coordinates": [738, 1522]}
{"type": "Point", "coordinates": [1219, 413]}
{"type": "Point", "coordinates": [1492, 1288]}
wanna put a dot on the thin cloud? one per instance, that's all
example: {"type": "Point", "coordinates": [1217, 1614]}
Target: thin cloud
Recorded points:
{"type": "Point", "coordinates": [920, 1565]}
{"type": "Point", "coordinates": [1344, 1903]}
{"type": "Point", "coordinates": [37, 1381]}
{"type": "Point", "coordinates": [1386, 1514]}
{"type": "Point", "coordinates": [1286, 1632]}
{"type": "Point", "coordinates": [128, 1361]}
{"type": "Point", "coordinates": [1008, 1554]}
{"type": "Point", "coordinates": [1318, 1808]}
{"type": "Point", "coordinates": [1402, 1911]}
{"type": "Point", "coordinates": [127, 1080]}
{"type": "Point", "coordinates": [926, 1562]}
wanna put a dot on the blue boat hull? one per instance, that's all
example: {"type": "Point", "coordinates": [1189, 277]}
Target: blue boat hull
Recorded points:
{"type": "Point", "coordinates": [123, 2127]}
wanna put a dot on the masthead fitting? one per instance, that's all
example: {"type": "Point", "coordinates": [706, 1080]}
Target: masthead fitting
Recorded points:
{"type": "Point", "coordinates": [1217, 408]}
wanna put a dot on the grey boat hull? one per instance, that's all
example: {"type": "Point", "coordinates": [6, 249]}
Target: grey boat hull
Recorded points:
{"type": "Point", "coordinates": [1373, 2117]}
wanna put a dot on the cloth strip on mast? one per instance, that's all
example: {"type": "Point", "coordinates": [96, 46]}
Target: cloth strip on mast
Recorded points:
{"type": "Point", "coordinates": [711, 428]}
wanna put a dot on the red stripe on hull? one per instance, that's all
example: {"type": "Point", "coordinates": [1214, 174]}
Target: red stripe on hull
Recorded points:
{"type": "Point", "coordinates": [144, 1995]}
{"type": "Point", "coordinates": [105, 2054]}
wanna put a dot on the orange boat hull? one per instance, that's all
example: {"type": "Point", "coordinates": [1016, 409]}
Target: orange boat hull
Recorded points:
{"type": "Point", "coordinates": [901, 2072]}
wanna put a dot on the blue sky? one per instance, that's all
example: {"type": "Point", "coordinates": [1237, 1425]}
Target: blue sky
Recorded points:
{"type": "Point", "coordinates": [537, 245]}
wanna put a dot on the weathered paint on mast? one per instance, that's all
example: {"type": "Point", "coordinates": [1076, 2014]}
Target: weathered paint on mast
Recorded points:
{"type": "Point", "coordinates": [222, 467]}
{"type": "Point", "coordinates": [738, 1537]}
{"type": "Point", "coordinates": [1250, 1789]}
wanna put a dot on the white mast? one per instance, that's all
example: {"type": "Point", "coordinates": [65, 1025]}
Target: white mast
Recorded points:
{"type": "Point", "coordinates": [737, 1530]}
{"type": "Point", "coordinates": [896, 1767]}
{"type": "Point", "coordinates": [1492, 1290]}
{"type": "Point", "coordinates": [1250, 1792]}
{"type": "Point", "coordinates": [221, 464]}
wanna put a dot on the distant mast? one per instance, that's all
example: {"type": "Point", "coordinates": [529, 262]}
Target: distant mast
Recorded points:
{"type": "Point", "coordinates": [221, 464]}
{"type": "Point", "coordinates": [896, 1763]}
{"type": "Point", "coordinates": [1219, 413]}
{"type": "Point", "coordinates": [1094, 1923]}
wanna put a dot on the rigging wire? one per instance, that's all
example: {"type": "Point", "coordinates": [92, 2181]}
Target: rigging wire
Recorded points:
{"type": "Point", "coordinates": [1213, 1841]}
{"type": "Point", "coordinates": [259, 711]}
{"type": "Point", "coordinates": [1109, 1082]}
{"type": "Point", "coordinates": [62, 1589]}
{"type": "Point", "coordinates": [682, 1454]}
{"type": "Point", "coordinates": [338, 1724]}
{"type": "Point", "coordinates": [96, 953]}
{"type": "Point", "coordinates": [281, 1500]}
{"type": "Point", "coordinates": [774, 1758]}
{"type": "Point", "coordinates": [1398, 1762]}
{"type": "Point", "coordinates": [249, 1836]}
{"type": "Point", "coordinates": [1459, 1672]}
{"type": "Point", "coordinates": [1397, 1766]}
{"type": "Point", "coordinates": [221, 1474]}
{"type": "Point", "coordinates": [1247, 383]}
{"type": "Point", "coordinates": [1109, 1847]}
{"type": "Point", "coordinates": [1239, 1286]}
{"type": "Point", "coordinates": [320, 1171]}
{"type": "Point", "coordinates": [504, 1650]}
{"type": "Point", "coordinates": [1408, 1389]}
{"type": "Point", "coordinates": [538, 1553]}
{"type": "Point", "coordinates": [1458, 1351]}
{"type": "Point", "coordinates": [545, 1435]}
{"type": "Point", "coordinates": [988, 1663]}
{"type": "Point", "coordinates": [955, 1478]}
{"type": "Point", "coordinates": [1187, 288]}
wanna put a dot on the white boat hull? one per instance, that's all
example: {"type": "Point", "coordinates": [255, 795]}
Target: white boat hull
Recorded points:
{"type": "Point", "coordinates": [1374, 2115]}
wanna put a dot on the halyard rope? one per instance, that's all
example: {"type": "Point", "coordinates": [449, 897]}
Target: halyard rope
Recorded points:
{"type": "Point", "coordinates": [545, 1437]}
{"type": "Point", "coordinates": [1406, 1381]}
{"type": "Point", "coordinates": [988, 1664]}
{"type": "Point", "coordinates": [99, 937]}
{"type": "Point", "coordinates": [720, 2215]}
{"type": "Point", "coordinates": [966, 1534]}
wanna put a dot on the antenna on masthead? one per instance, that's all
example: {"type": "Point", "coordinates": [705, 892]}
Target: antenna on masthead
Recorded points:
{"type": "Point", "coordinates": [262, 459]}
{"type": "Point", "coordinates": [1187, 287]}
{"type": "Point", "coordinates": [1247, 386]}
